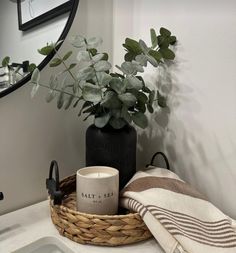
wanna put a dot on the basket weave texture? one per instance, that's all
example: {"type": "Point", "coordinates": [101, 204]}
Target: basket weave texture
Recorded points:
{"type": "Point", "coordinates": [106, 230]}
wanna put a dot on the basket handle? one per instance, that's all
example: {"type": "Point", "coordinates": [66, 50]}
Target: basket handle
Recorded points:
{"type": "Point", "coordinates": [53, 184]}
{"type": "Point", "coordinates": [163, 155]}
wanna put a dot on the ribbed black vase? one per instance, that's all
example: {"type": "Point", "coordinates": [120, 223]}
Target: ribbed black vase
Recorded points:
{"type": "Point", "coordinates": [111, 147]}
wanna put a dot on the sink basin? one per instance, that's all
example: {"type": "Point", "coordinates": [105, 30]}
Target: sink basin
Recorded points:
{"type": "Point", "coordinates": [45, 245]}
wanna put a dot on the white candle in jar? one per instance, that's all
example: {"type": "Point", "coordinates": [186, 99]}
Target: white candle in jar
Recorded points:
{"type": "Point", "coordinates": [97, 190]}
{"type": "Point", "coordinates": [98, 174]}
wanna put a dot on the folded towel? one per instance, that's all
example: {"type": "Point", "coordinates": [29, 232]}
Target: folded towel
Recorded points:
{"type": "Point", "coordinates": [179, 217]}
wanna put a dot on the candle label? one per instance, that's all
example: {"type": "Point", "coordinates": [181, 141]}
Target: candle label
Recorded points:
{"type": "Point", "coordinates": [97, 198]}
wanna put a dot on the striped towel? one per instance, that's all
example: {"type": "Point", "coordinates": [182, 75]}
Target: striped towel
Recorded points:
{"type": "Point", "coordinates": [180, 218]}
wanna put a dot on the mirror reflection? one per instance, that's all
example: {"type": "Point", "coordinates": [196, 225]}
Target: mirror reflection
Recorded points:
{"type": "Point", "coordinates": [18, 49]}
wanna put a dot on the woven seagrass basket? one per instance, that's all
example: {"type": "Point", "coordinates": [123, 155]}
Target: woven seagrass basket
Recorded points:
{"type": "Point", "coordinates": [108, 230]}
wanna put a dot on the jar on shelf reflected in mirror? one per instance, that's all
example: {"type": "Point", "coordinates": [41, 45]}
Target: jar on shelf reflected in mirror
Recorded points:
{"type": "Point", "coordinates": [4, 78]}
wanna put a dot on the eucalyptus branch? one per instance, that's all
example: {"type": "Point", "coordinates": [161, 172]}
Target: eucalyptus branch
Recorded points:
{"type": "Point", "coordinates": [91, 58]}
{"type": "Point", "coordinates": [55, 89]}
{"type": "Point", "coordinates": [66, 67]}
{"type": "Point", "coordinates": [113, 99]}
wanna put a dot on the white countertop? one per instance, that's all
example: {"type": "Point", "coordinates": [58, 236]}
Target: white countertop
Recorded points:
{"type": "Point", "coordinates": [26, 225]}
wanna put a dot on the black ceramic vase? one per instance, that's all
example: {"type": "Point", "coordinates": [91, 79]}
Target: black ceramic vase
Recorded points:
{"type": "Point", "coordinates": [111, 147]}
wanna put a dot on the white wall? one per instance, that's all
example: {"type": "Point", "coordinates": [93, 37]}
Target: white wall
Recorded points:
{"type": "Point", "coordinates": [32, 132]}
{"type": "Point", "coordinates": [19, 45]}
{"type": "Point", "coordinates": [198, 134]}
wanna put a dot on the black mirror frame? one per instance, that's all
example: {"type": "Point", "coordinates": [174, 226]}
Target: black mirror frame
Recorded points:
{"type": "Point", "coordinates": [74, 7]}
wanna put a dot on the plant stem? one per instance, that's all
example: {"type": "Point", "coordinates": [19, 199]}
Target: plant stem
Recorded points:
{"type": "Point", "coordinates": [65, 92]}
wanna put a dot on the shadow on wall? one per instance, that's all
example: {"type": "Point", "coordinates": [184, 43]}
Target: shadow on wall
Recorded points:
{"type": "Point", "coordinates": [175, 130]}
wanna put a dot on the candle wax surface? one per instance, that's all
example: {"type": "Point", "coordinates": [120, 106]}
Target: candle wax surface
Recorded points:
{"type": "Point", "coordinates": [98, 175]}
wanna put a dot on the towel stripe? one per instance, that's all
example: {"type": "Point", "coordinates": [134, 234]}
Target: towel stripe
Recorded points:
{"type": "Point", "coordinates": [229, 244]}
{"type": "Point", "coordinates": [224, 235]}
{"type": "Point", "coordinates": [192, 223]}
{"type": "Point", "coordinates": [175, 214]}
{"type": "Point", "coordinates": [137, 207]}
{"type": "Point", "coordinates": [172, 224]}
{"type": "Point", "coordinates": [171, 184]}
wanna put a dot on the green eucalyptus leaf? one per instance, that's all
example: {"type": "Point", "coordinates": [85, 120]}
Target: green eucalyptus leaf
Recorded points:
{"type": "Point", "coordinates": [97, 57]}
{"type": "Point", "coordinates": [141, 106]}
{"type": "Point", "coordinates": [94, 42]}
{"type": "Point", "coordinates": [116, 113]}
{"type": "Point", "coordinates": [134, 92]}
{"type": "Point", "coordinates": [152, 60]}
{"type": "Point", "coordinates": [32, 67]}
{"type": "Point", "coordinates": [34, 90]}
{"type": "Point", "coordinates": [138, 66]}
{"type": "Point", "coordinates": [50, 96]}
{"type": "Point", "coordinates": [85, 105]}
{"type": "Point", "coordinates": [102, 66]}
{"type": "Point", "coordinates": [128, 99]}
{"type": "Point", "coordinates": [76, 102]}
{"type": "Point", "coordinates": [129, 56]}
{"type": "Point", "coordinates": [92, 93]}
{"type": "Point", "coordinates": [53, 83]}
{"type": "Point", "coordinates": [105, 57]}
{"type": "Point", "coordinates": [153, 38]}
{"type": "Point", "coordinates": [102, 121]}
{"type": "Point", "coordinates": [72, 65]}
{"type": "Point", "coordinates": [165, 32]}
{"type": "Point", "coordinates": [86, 73]}
{"type": "Point", "coordinates": [35, 77]}
{"type": "Point", "coordinates": [78, 42]}
{"type": "Point", "coordinates": [46, 50]}
{"type": "Point", "coordinates": [140, 119]}
{"type": "Point", "coordinates": [150, 108]}
{"type": "Point", "coordinates": [125, 115]}
{"type": "Point", "coordinates": [55, 62]}
{"type": "Point", "coordinates": [6, 61]}
{"type": "Point", "coordinates": [133, 82]}
{"type": "Point", "coordinates": [68, 102]}
{"type": "Point", "coordinates": [58, 43]}
{"type": "Point", "coordinates": [161, 100]}
{"type": "Point", "coordinates": [67, 55]}
{"type": "Point", "coordinates": [90, 114]}
{"type": "Point", "coordinates": [167, 53]}
{"type": "Point", "coordinates": [165, 43]}
{"type": "Point", "coordinates": [92, 109]}
{"type": "Point", "coordinates": [142, 59]}
{"type": "Point", "coordinates": [146, 89]}
{"type": "Point", "coordinates": [118, 85]}
{"type": "Point", "coordinates": [117, 123]}
{"type": "Point", "coordinates": [143, 46]}
{"type": "Point", "coordinates": [111, 100]}
{"type": "Point", "coordinates": [102, 78]}
{"type": "Point", "coordinates": [156, 55]}
{"type": "Point", "coordinates": [142, 97]}
{"type": "Point", "coordinates": [161, 40]}
{"type": "Point", "coordinates": [93, 51]}
{"type": "Point", "coordinates": [172, 40]}
{"type": "Point", "coordinates": [83, 56]}
{"type": "Point", "coordinates": [128, 68]}
{"type": "Point", "coordinates": [60, 100]}
{"type": "Point", "coordinates": [132, 46]}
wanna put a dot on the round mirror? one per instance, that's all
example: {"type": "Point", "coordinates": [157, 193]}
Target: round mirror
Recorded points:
{"type": "Point", "coordinates": [26, 26]}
